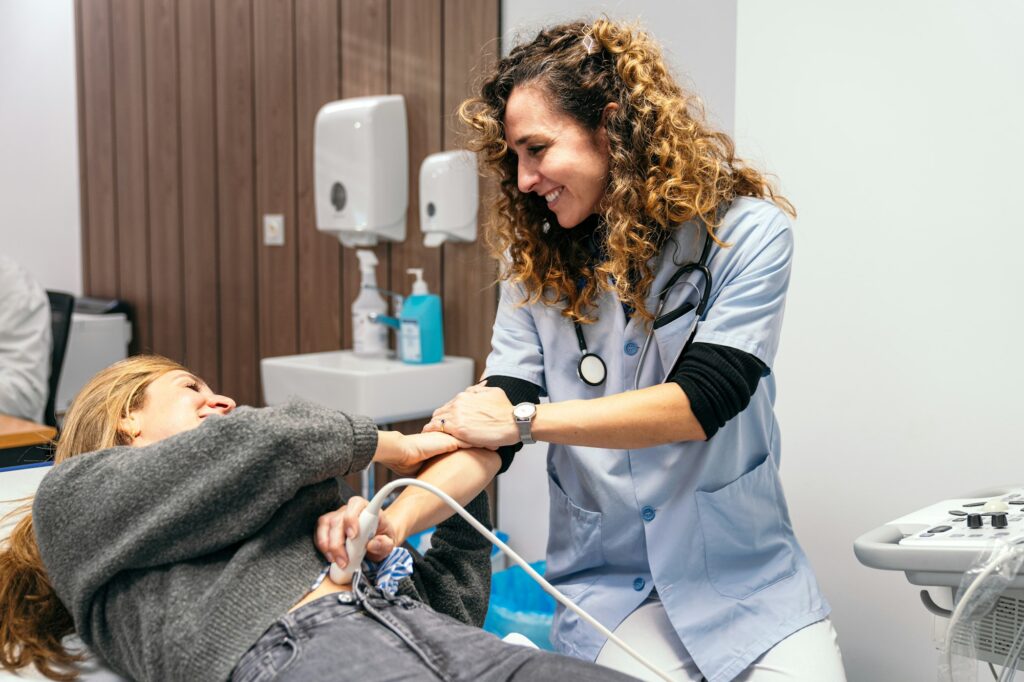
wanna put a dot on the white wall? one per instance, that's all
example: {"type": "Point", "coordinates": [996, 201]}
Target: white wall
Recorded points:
{"type": "Point", "coordinates": [698, 37]}
{"type": "Point", "coordinates": [896, 130]}
{"type": "Point", "coordinates": [40, 223]}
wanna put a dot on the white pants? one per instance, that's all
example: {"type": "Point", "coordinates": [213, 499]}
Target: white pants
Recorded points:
{"type": "Point", "coordinates": [808, 655]}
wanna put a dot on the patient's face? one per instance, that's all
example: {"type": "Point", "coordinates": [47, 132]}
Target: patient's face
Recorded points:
{"type": "Point", "coordinates": [176, 401]}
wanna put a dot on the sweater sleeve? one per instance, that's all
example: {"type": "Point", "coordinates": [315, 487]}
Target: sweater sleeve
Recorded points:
{"type": "Point", "coordinates": [127, 508]}
{"type": "Point", "coordinates": [454, 577]}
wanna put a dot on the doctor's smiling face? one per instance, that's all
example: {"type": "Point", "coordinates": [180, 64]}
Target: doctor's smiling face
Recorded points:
{"type": "Point", "coordinates": [558, 159]}
{"type": "Point", "coordinates": [174, 402]}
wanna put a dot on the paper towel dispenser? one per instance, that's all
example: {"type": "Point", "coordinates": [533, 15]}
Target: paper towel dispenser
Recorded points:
{"type": "Point", "coordinates": [361, 162]}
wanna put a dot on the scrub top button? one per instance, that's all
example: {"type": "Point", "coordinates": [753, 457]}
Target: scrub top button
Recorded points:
{"type": "Point", "coordinates": [647, 513]}
{"type": "Point", "coordinates": [346, 598]}
{"type": "Point", "coordinates": [631, 348]}
{"type": "Point", "coordinates": [638, 584]}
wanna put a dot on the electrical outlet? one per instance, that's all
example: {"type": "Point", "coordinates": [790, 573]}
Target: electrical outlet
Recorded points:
{"type": "Point", "coordinates": [273, 229]}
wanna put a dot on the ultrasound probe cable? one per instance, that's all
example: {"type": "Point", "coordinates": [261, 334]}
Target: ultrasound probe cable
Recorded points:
{"type": "Point", "coordinates": [356, 549]}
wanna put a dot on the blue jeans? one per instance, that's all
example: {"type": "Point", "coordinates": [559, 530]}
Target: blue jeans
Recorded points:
{"type": "Point", "coordinates": [370, 637]}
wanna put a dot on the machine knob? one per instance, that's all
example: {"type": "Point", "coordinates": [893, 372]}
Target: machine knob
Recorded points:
{"type": "Point", "coordinates": [999, 520]}
{"type": "Point", "coordinates": [974, 521]}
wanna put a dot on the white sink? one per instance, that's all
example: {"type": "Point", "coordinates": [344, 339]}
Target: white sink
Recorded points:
{"type": "Point", "coordinates": [383, 389]}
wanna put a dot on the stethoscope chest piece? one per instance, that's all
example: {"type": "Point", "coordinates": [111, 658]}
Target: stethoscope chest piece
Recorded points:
{"type": "Point", "coordinates": [592, 369]}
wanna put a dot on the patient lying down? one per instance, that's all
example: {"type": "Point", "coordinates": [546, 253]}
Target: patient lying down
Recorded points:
{"type": "Point", "coordinates": [183, 538]}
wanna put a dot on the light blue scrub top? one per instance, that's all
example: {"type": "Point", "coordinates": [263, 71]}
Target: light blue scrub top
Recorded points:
{"type": "Point", "coordinates": [704, 523]}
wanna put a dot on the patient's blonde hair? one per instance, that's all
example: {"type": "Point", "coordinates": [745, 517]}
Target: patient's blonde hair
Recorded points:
{"type": "Point", "coordinates": [33, 621]}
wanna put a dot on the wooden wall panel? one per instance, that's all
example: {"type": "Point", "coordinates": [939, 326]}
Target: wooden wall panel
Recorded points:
{"type": "Point", "coordinates": [470, 49]}
{"type": "Point", "coordinates": [83, 202]}
{"type": "Point", "coordinates": [196, 119]}
{"type": "Point", "coordinates": [365, 41]}
{"type": "Point", "coordinates": [416, 74]}
{"type": "Point", "coordinates": [199, 189]}
{"type": "Point", "coordinates": [163, 161]}
{"type": "Point", "coordinates": [273, 54]}
{"type": "Point", "coordinates": [471, 30]}
{"type": "Point", "coordinates": [98, 175]}
{"type": "Point", "coordinates": [317, 81]}
{"type": "Point", "coordinates": [240, 353]}
{"type": "Point", "coordinates": [130, 126]}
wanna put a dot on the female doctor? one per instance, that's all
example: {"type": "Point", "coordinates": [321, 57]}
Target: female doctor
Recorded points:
{"type": "Point", "coordinates": [644, 277]}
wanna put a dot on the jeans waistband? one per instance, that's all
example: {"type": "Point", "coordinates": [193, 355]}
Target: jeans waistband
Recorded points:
{"type": "Point", "coordinates": [306, 616]}
{"type": "Point", "coordinates": [292, 625]}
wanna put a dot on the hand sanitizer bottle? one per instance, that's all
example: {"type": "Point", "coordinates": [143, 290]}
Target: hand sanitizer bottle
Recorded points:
{"type": "Point", "coordinates": [422, 329]}
{"type": "Point", "coordinates": [369, 338]}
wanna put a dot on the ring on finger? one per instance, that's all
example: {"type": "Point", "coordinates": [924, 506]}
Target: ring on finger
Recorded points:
{"type": "Point", "coordinates": [442, 427]}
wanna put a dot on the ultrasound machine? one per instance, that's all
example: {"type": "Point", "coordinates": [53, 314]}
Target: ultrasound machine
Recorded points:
{"type": "Point", "coordinates": [968, 555]}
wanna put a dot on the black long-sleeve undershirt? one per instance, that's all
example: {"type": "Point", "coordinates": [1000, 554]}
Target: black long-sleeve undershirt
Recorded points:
{"type": "Point", "coordinates": [718, 380]}
{"type": "Point", "coordinates": [517, 391]}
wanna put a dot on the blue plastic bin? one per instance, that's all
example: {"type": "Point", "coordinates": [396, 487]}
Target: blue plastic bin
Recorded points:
{"type": "Point", "coordinates": [518, 604]}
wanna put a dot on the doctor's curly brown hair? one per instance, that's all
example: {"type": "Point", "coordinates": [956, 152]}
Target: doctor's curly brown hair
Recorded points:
{"type": "Point", "coordinates": [667, 165]}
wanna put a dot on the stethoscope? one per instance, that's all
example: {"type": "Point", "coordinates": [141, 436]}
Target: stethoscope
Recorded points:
{"type": "Point", "coordinates": [592, 369]}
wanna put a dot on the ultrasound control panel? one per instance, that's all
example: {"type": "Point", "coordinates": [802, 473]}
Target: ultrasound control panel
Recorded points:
{"type": "Point", "coordinates": [968, 523]}
{"type": "Point", "coordinates": [936, 545]}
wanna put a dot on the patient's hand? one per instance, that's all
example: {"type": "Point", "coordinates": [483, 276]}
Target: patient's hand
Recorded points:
{"type": "Point", "coordinates": [405, 454]}
{"type": "Point", "coordinates": [332, 529]}
{"type": "Point", "coordinates": [420, 447]}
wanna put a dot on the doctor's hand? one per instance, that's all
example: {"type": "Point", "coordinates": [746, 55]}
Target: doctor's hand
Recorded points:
{"type": "Point", "coordinates": [334, 527]}
{"type": "Point", "coordinates": [404, 454]}
{"type": "Point", "coordinates": [480, 415]}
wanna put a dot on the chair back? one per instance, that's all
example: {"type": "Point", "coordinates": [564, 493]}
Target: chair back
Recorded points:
{"type": "Point", "coordinates": [61, 306]}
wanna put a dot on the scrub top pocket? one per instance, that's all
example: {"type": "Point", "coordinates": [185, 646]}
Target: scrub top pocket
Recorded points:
{"type": "Point", "coordinates": [748, 539]}
{"type": "Point", "coordinates": [671, 338]}
{"type": "Point", "coordinates": [574, 538]}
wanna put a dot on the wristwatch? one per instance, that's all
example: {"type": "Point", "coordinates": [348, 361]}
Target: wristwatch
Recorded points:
{"type": "Point", "coordinates": [524, 413]}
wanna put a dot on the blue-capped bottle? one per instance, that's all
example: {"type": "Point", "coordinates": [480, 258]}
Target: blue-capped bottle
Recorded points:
{"type": "Point", "coordinates": [421, 326]}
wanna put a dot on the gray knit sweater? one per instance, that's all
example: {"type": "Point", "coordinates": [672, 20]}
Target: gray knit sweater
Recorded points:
{"type": "Point", "coordinates": [174, 558]}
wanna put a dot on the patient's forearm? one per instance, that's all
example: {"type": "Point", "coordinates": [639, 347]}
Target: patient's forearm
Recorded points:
{"type": "Point", "coordinates": [462, 474]}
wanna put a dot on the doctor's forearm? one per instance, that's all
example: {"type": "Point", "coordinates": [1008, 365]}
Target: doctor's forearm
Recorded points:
{"type": "Point", "coordinates": [631, 420]}
{"type": "Point", "coordinates": [462, 474]}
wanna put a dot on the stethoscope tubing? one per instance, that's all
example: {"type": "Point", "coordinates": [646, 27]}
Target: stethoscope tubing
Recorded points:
{"type": "Point", "coordinates": [596, 376]}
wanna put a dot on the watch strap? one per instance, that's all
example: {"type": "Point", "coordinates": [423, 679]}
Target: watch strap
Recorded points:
{"type": "Point", "coordinates": [525, 426]}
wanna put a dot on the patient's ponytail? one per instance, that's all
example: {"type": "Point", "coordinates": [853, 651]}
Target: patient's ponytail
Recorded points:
{"type": "Point", "coordinates": [33, 620]}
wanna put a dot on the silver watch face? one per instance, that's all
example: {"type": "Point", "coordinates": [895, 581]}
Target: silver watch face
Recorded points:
{"type": "Point", "coordinates": [524, 411]}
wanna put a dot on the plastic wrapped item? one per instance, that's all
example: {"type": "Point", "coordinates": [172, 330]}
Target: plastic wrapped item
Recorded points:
{"type": "Point", "coordinates": [518, 604]}
{"type": "Point", "coordinates": [980, 589]}
{"type": "Point", "coordinates": [499, 562]}
{"type": "Point", "coordinates": [421, 543]}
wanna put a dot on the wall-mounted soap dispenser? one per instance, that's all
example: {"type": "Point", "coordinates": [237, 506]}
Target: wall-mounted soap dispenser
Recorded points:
{"type": "Point", "coordinates": [361, 161]}
{"type": "Point", "coordinates": [449, 197]}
